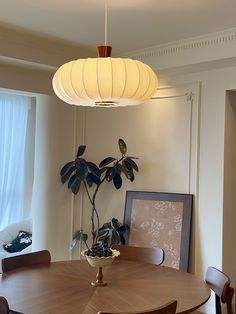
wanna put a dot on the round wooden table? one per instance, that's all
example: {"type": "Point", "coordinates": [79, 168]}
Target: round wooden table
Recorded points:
{"type": "Point", "coordinates": [65, 287]}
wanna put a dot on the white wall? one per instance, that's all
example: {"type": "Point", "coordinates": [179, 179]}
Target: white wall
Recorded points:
{"type": "Point", "coordinates": [158, 133]}
{"type": "Point", "coordinates": [52, 204]}
{"type": "Point", "coordinates": [209, 222]}
{"type": "Point", "coordinates": [229, 215]}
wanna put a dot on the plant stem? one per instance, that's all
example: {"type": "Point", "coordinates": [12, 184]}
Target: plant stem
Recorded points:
{"type": "Point", "coordinates": [94, 210]}
{"type": "Point", "coordinates": [87, 191]}
{"type": "Point", "coordinates": [92, 200]}
{"type": "Point", "coordinates": [92, 215]}
{"type": "Point", "coordinates": [86, 244]}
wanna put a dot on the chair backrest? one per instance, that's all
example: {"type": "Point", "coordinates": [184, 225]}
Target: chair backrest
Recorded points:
{"type": "Point", "coordinates": [26, 260]}
{"type": "Point", "coordinates": [148, 255]}
{"type": "Point", "coordinates": [4, 307]}
{"type": "Point", "coordinates": [220, 284]}
{"type": "Point", "coordinates": [169, 308]}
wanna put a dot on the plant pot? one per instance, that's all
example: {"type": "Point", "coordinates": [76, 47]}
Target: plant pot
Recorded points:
{"type": "Point", "coordinates": [96, 261]}
{"type": "Point", "coordinates": [99, 262]}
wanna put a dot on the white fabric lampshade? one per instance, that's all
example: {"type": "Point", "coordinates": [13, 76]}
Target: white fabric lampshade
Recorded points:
{"type": "Point", "coordinates": [104, 82]}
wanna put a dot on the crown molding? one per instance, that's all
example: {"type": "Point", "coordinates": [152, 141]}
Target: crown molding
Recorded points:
{"type": "Point", "coordinates": [200, 49]}
{"type": "Point", "coordinates": [46, 54]}
{"type": "Point", "coordinates": [35, 50]}
{"type": "Point", "coordinates": [25, 79]}
{"type": "Point", "coordinates": [27, 64]}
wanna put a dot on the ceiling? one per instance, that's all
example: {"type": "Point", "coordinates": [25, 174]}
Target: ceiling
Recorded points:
{"type": "Point", "coordinates": [132, 25]}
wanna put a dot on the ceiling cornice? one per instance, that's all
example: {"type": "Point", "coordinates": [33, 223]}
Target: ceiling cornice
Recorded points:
{"type": "Point", "coordinates": [46, 54]}
{"type": "Point", "coordinates": [33, 50]}
{"type": "Point", "coordinates": [201, 49]}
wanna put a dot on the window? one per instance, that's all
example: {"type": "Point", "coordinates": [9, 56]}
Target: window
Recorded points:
{"type": "Point", "coordinates": [14, 123]}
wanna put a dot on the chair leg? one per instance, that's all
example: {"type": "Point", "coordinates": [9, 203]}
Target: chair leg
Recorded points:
{"type": "Point", "coordinates": [229, 300]}
{"type": "Point", "coordinates": [218, 305]}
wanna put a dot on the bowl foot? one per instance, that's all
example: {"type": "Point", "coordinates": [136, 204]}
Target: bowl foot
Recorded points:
{"type": "Point", "coordinates": [99, 282]}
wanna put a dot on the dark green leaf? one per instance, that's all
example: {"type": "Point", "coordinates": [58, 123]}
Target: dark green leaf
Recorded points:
{"type": "Point", "coordinates": [67, 168]}
{"type": "Point", "coordinates": [126, 172]}
{"type": "Point", "coordinates": [73, 244]}
{"type": "Point", "coordinates": [118, 168]}
{"type": "Point", "coordinates": [115, 237]}
{"type": "Point", "coordinates": [89, 181]}
{"type": "Point", "coordinates": [122, 146]}
{"type": "Point", "coordinates": [127, 169]}
{"type": "Point", "coordinates": [122, 239]}
{"type": "Point", "coordinates": [106, 225]}
{"type": "Point", "coordinates": [103, 170]}
{"type": "Point", "coordinates": [128, 165]}
{"type": "Point", "coordinates": [102, 232]}
{"type": "Point", "coordinates": [122, 229]}
{"type": "Point", "coordinates": [75, 187]}
{"type": "Point", "coordinates": [116, 224]}
{"type": "Point", "coordinates": [94, 169]}
{"type": "Point", "coordinates": [67, 176]}
{"type": "Point", "coordinates": [106, 161]}
{"type": "Point", "coordinates": [104, 239]}
{"type": "Point", "coordinates": [82, 172]}
{"type": "Point", "coordinates": [94, 178]}
{"type": "Point", "coordinates": [110, 173]}
{"type": "Point", "coordinates": [131, 163]}
{"type": "Point", "coordinates": [107, 241]}
{"type": "Point", "coordinates": [77, 235]}
{"type": "Point", "coordinates": [132, 177]}
{"type": "Point", "coordinates": [64, 179]}
{"type": "Point", "coordinates": [82, 161]}
{"type": "Point", "coordinates": [81, 150]}
{"type": "Point", "coordinates": [73, 180]}
{"type": "Point", "coordinates": [117, 180]}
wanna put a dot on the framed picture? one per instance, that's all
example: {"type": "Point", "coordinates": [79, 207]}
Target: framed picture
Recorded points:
{"type": "Point", "coordinates": [160, 220]}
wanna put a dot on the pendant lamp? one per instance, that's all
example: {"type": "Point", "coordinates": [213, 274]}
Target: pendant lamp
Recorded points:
{"type": "Point", "coordinates": [104, 81]}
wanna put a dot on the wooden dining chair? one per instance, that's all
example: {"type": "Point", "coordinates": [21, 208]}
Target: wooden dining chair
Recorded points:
{"type": "Point", "coordinates": [169, 308]}
{"type": "Point", "coordinates": [4, 307]}
{"type": "Point", "coordinates": [220, 284]}
{"type": "Point", "coordinates": [148, 255]}
{"type": "Point", "coordinates": [26, 260]}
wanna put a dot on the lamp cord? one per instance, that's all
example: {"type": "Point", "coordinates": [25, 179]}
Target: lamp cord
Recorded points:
{"type": "Point", "coordinates": [106, 4]}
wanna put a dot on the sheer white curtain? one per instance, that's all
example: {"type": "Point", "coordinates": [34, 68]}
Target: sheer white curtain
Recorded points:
{"type": "Point", "coordinates": [13, 126]}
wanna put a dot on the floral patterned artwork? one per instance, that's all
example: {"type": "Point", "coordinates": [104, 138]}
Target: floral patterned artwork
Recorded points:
{"type": "Point", "coordinates": [157, 223]}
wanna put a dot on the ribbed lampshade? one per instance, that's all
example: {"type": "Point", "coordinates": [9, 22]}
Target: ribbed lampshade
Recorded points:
{"type": "Point", "coordinates": [104, 82]}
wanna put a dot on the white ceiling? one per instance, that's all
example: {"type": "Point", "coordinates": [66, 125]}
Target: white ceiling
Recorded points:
{"type": "Point", "coordinates": [132, 25]}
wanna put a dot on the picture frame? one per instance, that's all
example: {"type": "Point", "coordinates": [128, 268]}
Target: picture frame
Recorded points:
{"type": "Point", "coordinates": [159, 219]}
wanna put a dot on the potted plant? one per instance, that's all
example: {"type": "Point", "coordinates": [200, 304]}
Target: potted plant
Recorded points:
{"type": "Point", "coordinates": [83, 173]}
